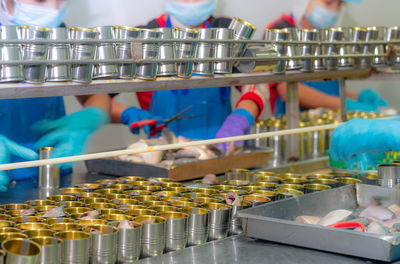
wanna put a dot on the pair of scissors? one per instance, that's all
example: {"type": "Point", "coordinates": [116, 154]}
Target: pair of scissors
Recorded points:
{"type": "Point", "coordinates": [153, 122]}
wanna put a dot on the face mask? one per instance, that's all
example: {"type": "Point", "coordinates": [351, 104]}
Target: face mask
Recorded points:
{"type": "Point", "coordinates": [322, 17]}
{"type": "Point", "coordinates": [26, 14]}
{"type": "Point", "coordinates": [190, 13]}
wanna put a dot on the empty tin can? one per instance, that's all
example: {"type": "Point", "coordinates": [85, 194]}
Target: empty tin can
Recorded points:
{"type": "Point", "coordinates": [197, 228]}
{"type": "Point", "coordinates": [39, 233]}
{"type": "Point", "coordinates": [83, 72]}
{"type": "Point", "coordinates": [267, 51]}
{"type": "Point", "coordinates": [223, 50]}
{"type": "Point", "coordinates": [49, 175]}
{"type": "Point", "coordinates": [129, 243]}
{"type": "Point", "coordinates": [205, 50]}
{"type": "Point", "coordinates": [242, 30]}
{"type": "Point", "coordinates": [103, 243]}
{"type": "Point", "coordinates": [143, 51]}
{"type": "Point", "coordinates": [153, 235]}
{"type": "Point", "coordinates": [20, 250]}
{"type": "Point", "coordinates": [288, 193]}
{"type": "Point", "coordinates": [10, 52]}
{"type": "Point", "coordinates": [32, 52]}
{"type": "Point", "coordinates": [59, 72]}
{"type": "Point", "coordinates": [319, 64]}
{"type": "Point", "coordinates": [276, 143]}
{"type": "Point", "coordinates": [315, 187]}
{"type": "Point", "coordinates": [175, 230]}
{"type": "Point", "coordinates": [379, 49]}
{"type": "Point", "coordinates": [167, 52]}
{"type": "Point", "coordinates": [357, 34]}
{"type": "Point", "coordinates": [345, 49]}
{"type": "Point", "coordinates": [105, 51]}
{"type": "Point", "coordinates": [75, 247]}
{"type": "Point", "coordinates": [235, 226]}
{"type": "Point", "coordinates": [123, 50]}
{"type": "Point", "coordinates": [50, 249]}
{"type": "Point", "coordinates": [342, 181]}
{"type": "Point", "coordinates": [308, 49]}
{"type": "Point", "coordinates": [220, 215]}
{"type": "Point", "coordinates": [368, 49]}
{"type": "Point", "coordinates": [330, 182]}
{"type": "Point", "coordinates": [293, 50]}
{"type": "Point", "coordinates": [318, 141]}
{"type": "Point", "coordinates": [389, 175]}
{"type": "Point", "coordinates": [333, 35]}
{"type": "Point", "coordinates": [371, 178]}
{"type": "Point", "coordinates": [237, 174]}
{"type": "Point", "coordinates": [12, 235]}
{"type": "Point", "coordinates": [185, 50]}
{"type": "Point", "coordinates": [268, 186]}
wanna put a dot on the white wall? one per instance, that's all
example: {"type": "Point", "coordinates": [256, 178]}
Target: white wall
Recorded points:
{"type": "Point", "coordinates": [90, 13]}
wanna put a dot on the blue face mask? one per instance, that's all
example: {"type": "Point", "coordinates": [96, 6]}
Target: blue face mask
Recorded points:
{"type": "Point", "coordinates": [190, 13]}
{"type": "Point", "coordinates": [321, 17]}
{"type": "Point", "coordinates": [26, 14]}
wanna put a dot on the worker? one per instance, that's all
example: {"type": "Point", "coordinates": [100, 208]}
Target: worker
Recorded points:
{"type": "Point", "coordinates": [32, 123]}
{"type": "Point", "coordinates": [210, 105]}
{"type": "Point", "coordinates": [360, 143]}
{"type": "Point", "coordinates": [318, 14]}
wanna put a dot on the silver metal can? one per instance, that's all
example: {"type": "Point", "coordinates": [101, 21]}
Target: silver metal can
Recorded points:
{"type": "Point", "coordinates": [197, 230]}
{"type": "Point", "coordinates": [393, 33]}
{"type": "Point", "coordinates": [21, 250]}
{"type": "Point", "coordinates": [332, 49]}
{"type": "Point", "coordinates": [143, 51]}
{"type": "Point", "coordinates": [32, 52]}
{"type": "Point", "coordinates": [258, 127]}
{"type": "Point", "coordinates": [308, 49]}
{"type": "Point", "coordinates": [281, 48]}
{"type": "Point", "coordinates": [237, 174]}
{"type": "Point", "coordinates": [185, 50]}
{"type": "Point", "coordinates": [389, 175]}
{"type": "Point", "coordinates": [223, 50]}
{"type": "Point", "coordinates": [126, 70]}
{"type": "Point", "coordinates": [267, 51]}
{"type": "Point", "coordinates": [205, 50]}
{"type": "Point", "coordinates": [10, 52]}
{"type": "Point", "coordinates": [344, 50]}
{"type": "Point", "coordinates": [105, 51]}
{"type": "Point", "coordinates": [103, 243]}
{"type": "Point", "coordinates": [378, 49]}
{"type": "Point", "coordinates": [176, 230]}
{"type": "Point", "coordinates": [318, 141]}
{"type": "Point", "coordinates": [49, 175]}
{"type": "Point", "coordinates": [129, 243]}
{"type": "Point", "coordinates": [368, 49]}
{"type": "Point", "coordinates": [83, 73]}
{"type": "Point", "coordinates": [276, 143]}
{"type": "Point", "coordinates": [220, 216]}
{"type": "Point", "coordinates": [167, 52]}
{"type": "Point", "coordinates": [153, 235]}
{"type": "Point", "coordinates": [293, 50]}
{"type": "Point", "coordinates": [50, 249]}
{"type": "Point", "coordinates": [59, 72]}
{"type": "Point", "coordinates": [319, 64]}
{"type": "Point", "coordinates": [75, 247]}
{"type": "Point", "coordinates": [357, 34]}
{"type": "Point", "coordinates": [235, 227]}
{"type": "Point", "coordinates": [242, 30]}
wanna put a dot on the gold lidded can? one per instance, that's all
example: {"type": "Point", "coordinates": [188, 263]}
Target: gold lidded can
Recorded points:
{"type": "Point", "coordinates": [39, 232]}
{"type": "Point", "coordinates": [175, 230]}
{"type": "Point", "coordinates": [220, 215]}
{"type": "Point", "coordinates": [164, 208]}
{"type": "Point", "coordinates": [32, 226]}
{"type": "Point", "coordinates": [12, 235]}
{"type": "Point", "coordinates": [315, 187]}
{"type": "Point", "coordinates": [15, 206]}
{"type": "Point", "coordinates": [101, 205]}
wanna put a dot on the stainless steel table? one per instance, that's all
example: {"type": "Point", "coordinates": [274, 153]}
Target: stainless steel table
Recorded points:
{"type": "Point", "coordinates": [235, 249]}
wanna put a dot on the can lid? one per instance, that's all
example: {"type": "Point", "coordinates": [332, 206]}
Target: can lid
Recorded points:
{"type": "Point", "coordinates": [187, 30]}
{"type": "Point", "coordinates": [84, 29]}
{"type": "Point", "coordinates": [127, 28]}
{"type": "Point", "coordinates": [245, 23]}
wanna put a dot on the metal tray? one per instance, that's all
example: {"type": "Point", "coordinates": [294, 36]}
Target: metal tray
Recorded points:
{"type": "Point", "coordinates": [275, 222]}
{"type": "Point", "coordinates": [256, 157]}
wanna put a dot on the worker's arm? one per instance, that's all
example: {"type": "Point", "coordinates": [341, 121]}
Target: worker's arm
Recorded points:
{"type": "Point", "coordinates": [96, 100]}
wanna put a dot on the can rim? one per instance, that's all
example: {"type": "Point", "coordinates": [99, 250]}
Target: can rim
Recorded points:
{"type": "Point", "coordinates": [245, 23]}
{"type": "Point", "coordinates": [84, 29]}
{"type": "Point", "coordinates": [3, 245]}
{"type": "Point", "coordinates": [187, 29]}
{"type": "Point", "coordinates": [127, 28]}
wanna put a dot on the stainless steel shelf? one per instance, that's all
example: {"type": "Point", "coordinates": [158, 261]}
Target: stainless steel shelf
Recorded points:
{"type": "Point", "coordinates": [25, 90]}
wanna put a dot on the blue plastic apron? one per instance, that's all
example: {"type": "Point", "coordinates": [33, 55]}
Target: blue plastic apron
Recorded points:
{"type": "Point", "coordinates": [212, 105]}
{"type": "Point", "coordinates": [327, 87]}
{"type": "Point", "coordinates": [16, 118]}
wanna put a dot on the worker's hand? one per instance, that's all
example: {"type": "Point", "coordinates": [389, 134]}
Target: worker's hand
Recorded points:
{"type": "Point", "coordinates": [236, 124]}
{"type": "Point", "coordinates": [371, 98]}
{"type": "Point", "coordinates": [352, 105]}
{"type": "Point", "coordinates": [133, 114]}
{"type": "Point", "coordinates": [359, 136]}
{"type": "Point", "coordinates": [69, 134]}
{"type": "Point", "coordinates": [8, 148]}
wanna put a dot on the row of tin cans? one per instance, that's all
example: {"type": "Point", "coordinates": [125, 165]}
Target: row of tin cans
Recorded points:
{"type": "Point", "coordinates": [63, 71]}
{"type": "Point", "coordinates": [332, 35]}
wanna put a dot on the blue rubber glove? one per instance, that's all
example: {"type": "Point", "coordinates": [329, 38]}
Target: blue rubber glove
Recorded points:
{"type": "Point", "coordinates": [133, 114]}
{"type": "Point", "coordinates": [371, 98]}
{"type": "Point", "coordinates": [359, 136]}
{"type": "Point", "coordinates": [8, 148]}
{"type": "Point", "coordinates": [236, 124]}
{"type": "Point", "coordinates": [352, 105]}
{"type": "Point", "coordinates": [69, 135]}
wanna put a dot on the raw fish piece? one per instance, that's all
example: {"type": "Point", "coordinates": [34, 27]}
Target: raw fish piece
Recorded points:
{"type": "Point", "coordinates": [390, 223]}
{"type": "Point", "coordinates": [28, 212]}
{"type": "Point", "coordinates": [377, 228]}
{"type": "Point", "coordinates": [335, 217]}
{"type": "Point", "coordinates": [230, 198]}
{"type": "Point", "coordinates": [378, 212]}
{"type": "Point", "coordinates": [89, 215]}
{"type": "Point", "coordinates": [395, 209]}
{"type": "Point", "coordinates": [95, 231]}
{"type": "Point", "coordinates": [148, 221]}
{"type": "Point", "coordinates": [209, 179]}
{"type": "Point", "coordinates": [307, 219]}
{"type": "Point", "coordinates": [364, 221]}
{"type": "Point", "coordinates": [198, 186]}
{"type": "Point", "coordinates": [55, 213]}
{"type": "Point", "coordinates": [125, 224]}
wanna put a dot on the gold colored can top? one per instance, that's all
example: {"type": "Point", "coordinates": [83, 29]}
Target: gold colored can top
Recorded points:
{"type": "Point", "coordinates": [190, 30]}
{"type": "Point", "coordinates": [309, 30]}
{"type": "Point", "coordinates": [256, 198]}
{"type": "Point", "coordinates": [149, 30]}
{"type": "Point", "coordinates": [173, 215]}
{"type": "Point", "coordinates": [73, 235]}
{"type": "Point", "coordinates": [40, 28]}
{"type": "Point", "coordinates": [359, 28]}
{"type": "Point", "coordinates": [127, 28]}
{"type": "Point", "coordinates": [46, 148]}
{"type": "Point", "coordinates": [245, 23]}
{"type": "Point", "coordinates": [149, 219]}
{"type": "Point", "coordinates": [84, 29]}
{"type": "Point", "coordinates": [336, 30]}
{"type": "Point", "coordinates": [276, 30]}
